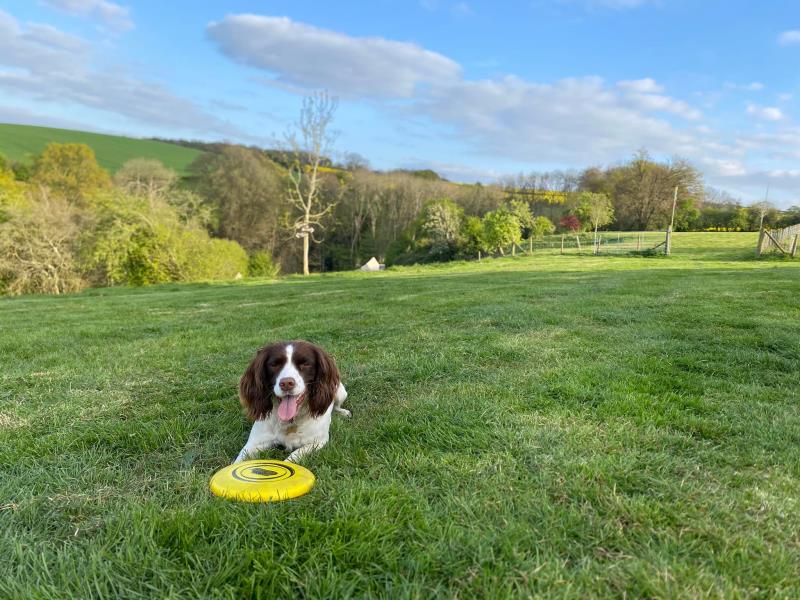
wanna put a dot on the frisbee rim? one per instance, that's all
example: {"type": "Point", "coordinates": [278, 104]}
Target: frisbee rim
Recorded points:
{"type": "Point", "coordinates": [301, 478]}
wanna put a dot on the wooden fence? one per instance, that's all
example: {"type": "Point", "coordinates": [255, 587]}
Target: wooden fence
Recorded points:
{"type": "Point", "coordinates": [783, 241]}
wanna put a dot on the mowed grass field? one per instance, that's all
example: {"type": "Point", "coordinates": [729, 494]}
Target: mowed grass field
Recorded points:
{"type": "Point", "coordinates": [21, 142]}
{"type": "Point", "coordinates": [550, 426]}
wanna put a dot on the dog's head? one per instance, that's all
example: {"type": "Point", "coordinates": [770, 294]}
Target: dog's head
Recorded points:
{"type": "Point", "coordinates": [291, 376]}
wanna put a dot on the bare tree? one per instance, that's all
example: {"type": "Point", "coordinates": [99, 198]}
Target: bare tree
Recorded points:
{"type": "Point", "coordinates": [38, 248]}
{"type": "Point", "coordinates": [145, 177]}
{"type": "Point", "coordinates": [310, 143]}
{"type": "Point", "coordinates": [762, 209]}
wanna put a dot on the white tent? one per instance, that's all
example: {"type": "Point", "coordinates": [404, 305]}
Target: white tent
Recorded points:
{"type": "Point", "coordinates": [372, 265]}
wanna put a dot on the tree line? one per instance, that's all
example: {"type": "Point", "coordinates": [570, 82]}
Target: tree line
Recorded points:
{"type": "Point", "coordinates": [66, 223]}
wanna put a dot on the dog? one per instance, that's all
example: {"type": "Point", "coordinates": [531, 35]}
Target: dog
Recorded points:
{"type": "Point", "coordinates": [290, 390]}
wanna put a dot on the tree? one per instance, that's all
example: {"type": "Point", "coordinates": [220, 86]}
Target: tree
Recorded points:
{"type": "Point", "coordinates": [314, 143]}
{"type": "Point", "coordinates": [570, 223]}
{"type": "Point", "coordinates": [521, 210]}
{"type": "Point", "coordinates": [595, 209]}
{"type": "Point", "coordinates": [440, 228]}
{"type": "Point", "coordinates": [542, 226]}
{"type": "Point", "coordinates": [38, 248]}
{"type": "Point", "coordinates": [70, 170]}
{"type": "Point", "coordinates": [246, 191]}
{"type": "Point", "coordinates": [145, 177]}
{"type": "Point", "coordinates": [353, 161]}
{"type": "Point", "coordinates": [474, 236]}
{"type": "Point", "coordinates": [441, 220]}
{"type": "Point", "coordinates": [642, 189]}
{"type": "Point", "coordinates": [791, 216]}
{"type": "Point", "coordinates": [502, 228]}
{"type": "Point", "coordinates": [687, 215]}
{"type": "Point", "coordinates": [12, 192]}
{"type": "Point", "coordinates": [761, 212]}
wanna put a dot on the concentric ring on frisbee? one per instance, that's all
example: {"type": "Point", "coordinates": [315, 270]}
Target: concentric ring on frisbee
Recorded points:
{"type": "Point", "coordinates": [262, 481]}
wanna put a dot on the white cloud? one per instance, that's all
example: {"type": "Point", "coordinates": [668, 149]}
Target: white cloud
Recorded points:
{"type": "Point", "coordinates": [113, 16]}
{"type": "Point", "coordinates": [303, 56]}
{"type": "Point", "coordinates": [789, 38]}
{"type": "Point", "coordinates": [45, 64]}
{"type": "Point", "coordinates": [723, 167]}
{"type": "Point", "coordinates": [766, 113]}
{"type": "Point", "coordinates": [575, 121]}
{"type": "Point", "coordinates": [659, 103]}
{"type": "Point", "coordinates": [569, 119]}
{"type": "Point", "coordinates": [640, 86]}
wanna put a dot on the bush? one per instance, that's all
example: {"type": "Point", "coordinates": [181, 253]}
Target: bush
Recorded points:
{"type": "Point", "coordinates": [38, 249]}
{"type": "Point", "coordinates": [139, 242]}
{"type": "Point", "coordinates": [474, 237]}
{"type": "Point", "coordinates": [212, 259]}
{"type": "Point", "coordinates": [262, 265]}
{"type": "Point", "coordinates": [542, 226]}
{"type": "Point", "coordinates": [570, 223]}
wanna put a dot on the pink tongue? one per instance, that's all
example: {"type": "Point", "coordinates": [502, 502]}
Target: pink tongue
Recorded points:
{"type": "Point", "coordinates": [287, 409]}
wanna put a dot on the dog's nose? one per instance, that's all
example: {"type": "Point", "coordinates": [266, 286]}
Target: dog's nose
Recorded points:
{"type": "Point", "coordinates": [287, 383]}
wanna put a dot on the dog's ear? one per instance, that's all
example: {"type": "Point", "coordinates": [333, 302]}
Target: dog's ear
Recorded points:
{"type": "Point", "coordinates": [323, 389]}
{"type": "Point", "coordinates": [255, 388]}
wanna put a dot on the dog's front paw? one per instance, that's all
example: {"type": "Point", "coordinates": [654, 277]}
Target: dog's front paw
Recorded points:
{"type": "Point", "coordinates": [344, 412]}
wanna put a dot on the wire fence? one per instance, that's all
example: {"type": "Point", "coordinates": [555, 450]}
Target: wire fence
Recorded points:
{"type": "Point", "coordinates": [605, 243]}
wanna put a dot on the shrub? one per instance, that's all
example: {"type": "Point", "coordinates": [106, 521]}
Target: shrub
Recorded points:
{"type": "Point", "coordinates": [139, 242]}
{"type": "Point", "coordinates": [570, 223]}
{"type": "Point", "coordinates": [262, 265]}
{"type": "Point", "coordinates": [474, 236]}
{"type": "Point", "coordinates": [542, 226]}
{"type": "Point", "coordinates": [206, 258]}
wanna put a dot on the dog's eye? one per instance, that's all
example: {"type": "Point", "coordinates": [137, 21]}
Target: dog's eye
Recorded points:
{"type": "Point", "coordinates": [302, 363]}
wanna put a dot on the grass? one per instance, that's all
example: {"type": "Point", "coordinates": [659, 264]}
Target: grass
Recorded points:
{"type": "Point", "coordinates": [21, 142]}
{"type": "Point", "coordinates": [561, 427]}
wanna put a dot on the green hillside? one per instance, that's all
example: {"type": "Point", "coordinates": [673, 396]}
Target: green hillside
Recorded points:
{"type": "Point", "coordinates": [20, 141]}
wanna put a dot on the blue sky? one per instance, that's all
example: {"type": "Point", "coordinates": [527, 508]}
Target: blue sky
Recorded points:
{"type": "Point", "coordinates": [472, 89]}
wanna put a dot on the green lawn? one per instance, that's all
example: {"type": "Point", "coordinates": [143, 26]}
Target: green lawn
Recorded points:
{"type": "Point", "coordinates": [20, 142]}
{"type": "Point", "coordinates": [558, 426]}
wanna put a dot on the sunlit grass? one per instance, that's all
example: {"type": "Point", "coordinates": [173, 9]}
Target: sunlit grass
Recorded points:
{"type": "Point", "coordinates": [570, 426]}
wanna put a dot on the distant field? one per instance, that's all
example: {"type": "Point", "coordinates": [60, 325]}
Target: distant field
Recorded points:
{"type": "Point", "coordinates": [549, 426]}
{"type": "Point", "coordinates": [20, 141]}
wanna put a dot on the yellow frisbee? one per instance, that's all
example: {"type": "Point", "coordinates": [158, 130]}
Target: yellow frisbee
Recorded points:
{"type": "Point", "coordinates": [262, 481]}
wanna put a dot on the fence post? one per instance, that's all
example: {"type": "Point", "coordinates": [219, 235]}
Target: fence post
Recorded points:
{"type": "Point", "coordinates": [760, 242]}
{"type": "Point", "coordinates": [578, 239]}
{"type": "Point", "coordinates": [794, 245]}
{"type": "Point", "coordinates": [562, 243]}
{"type": "Point", "coordinates": [530, 245]}
{"type": "Point", "coordinates": [668, 244]}
{"type": "Point", "coordinates": [479, 256]}
{"type": "Point", "coordinates": [639, 242]}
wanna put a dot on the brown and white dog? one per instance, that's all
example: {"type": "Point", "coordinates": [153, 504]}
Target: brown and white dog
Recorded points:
{"type": "Point", "coordinates": [301, 383]}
